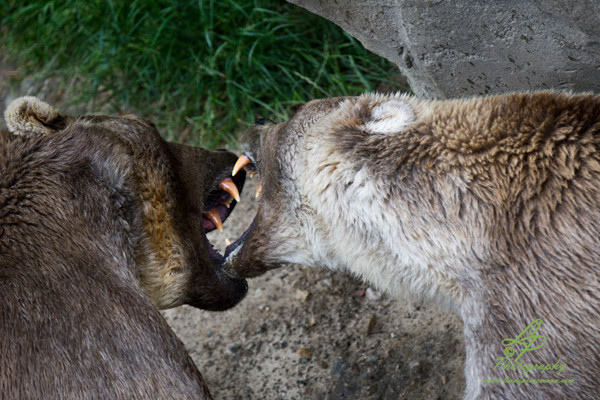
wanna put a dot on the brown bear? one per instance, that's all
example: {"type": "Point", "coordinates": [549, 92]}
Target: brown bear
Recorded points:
{"type": "Point", "coordinates": [489, 206]}
{"type": "Point", "coordinates": [102, 222]}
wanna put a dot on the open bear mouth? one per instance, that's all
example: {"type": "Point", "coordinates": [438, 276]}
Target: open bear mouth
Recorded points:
{"type": "Point", "coordinates": [220, 203]}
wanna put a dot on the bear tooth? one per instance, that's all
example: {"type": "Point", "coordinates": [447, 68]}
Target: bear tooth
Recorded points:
{"type": "Point", "coordinates": [240, 163]}
{"type": "Point", "coordinates": [259, 190]}
{"type": "Point", "coordinates": [213, 216]}
{"type": "Point", "coordinates": [227, 203]}
{"type": "Point", "coordinates": [229, 186]}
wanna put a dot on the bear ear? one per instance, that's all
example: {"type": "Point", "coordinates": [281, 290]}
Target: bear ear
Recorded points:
{"type": "Point", "coordinates": [390, 116]}
{"type": "Point", "coordinates": [31, 116]}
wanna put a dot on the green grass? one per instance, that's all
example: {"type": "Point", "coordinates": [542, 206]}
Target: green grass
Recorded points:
{"type": "Point", "coordinates": [199, 69]}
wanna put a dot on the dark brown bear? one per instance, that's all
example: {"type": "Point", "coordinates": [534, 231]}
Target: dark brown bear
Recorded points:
{"type": "Point", "coordinates": [101, 223]}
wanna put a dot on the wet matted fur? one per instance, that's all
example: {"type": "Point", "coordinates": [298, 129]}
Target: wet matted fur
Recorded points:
{"type": "Point", "coordinates": [489, 206]}
{"type": "Point", "coordinates": [100, 225]}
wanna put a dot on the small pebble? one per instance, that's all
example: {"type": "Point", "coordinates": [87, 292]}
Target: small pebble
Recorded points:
{"type": "Point", "coordinates": [233, 348]}
{"type": "Point", "coordinates": [415, 365]}
{"type": "Point", "coordinates": [304, 352]}
{"type": "Point", "coordinates": [302, 295]}
{"type": "Point", "coordinates": [371, 324]}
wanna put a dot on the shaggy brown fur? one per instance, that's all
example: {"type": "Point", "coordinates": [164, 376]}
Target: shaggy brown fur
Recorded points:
{"type": "Point", "coordinates": [489, 206]}
{"type": "Point", "coordinates": [100, 223]}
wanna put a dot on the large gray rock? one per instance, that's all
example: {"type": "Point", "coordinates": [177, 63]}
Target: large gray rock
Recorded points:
{"type": "Point", "coordinates": [458, 48]}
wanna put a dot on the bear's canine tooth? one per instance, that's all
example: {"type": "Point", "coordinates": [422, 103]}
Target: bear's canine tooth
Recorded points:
{"type": "Point", "coordinates": [213, 216]}
{"type": "Point", "coordinates": [240, 163]}
{"type": "Point", "coordinates": [229, 186]}
{"type": "Point", "coordinates": [259, 190]}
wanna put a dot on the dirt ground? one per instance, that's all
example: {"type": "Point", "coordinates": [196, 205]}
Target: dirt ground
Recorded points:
{"type": "Point", "coordinates": [307, 333]}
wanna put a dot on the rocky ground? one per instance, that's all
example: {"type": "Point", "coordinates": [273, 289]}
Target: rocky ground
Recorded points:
{"type": "Point", "coordinates": [307, 333]}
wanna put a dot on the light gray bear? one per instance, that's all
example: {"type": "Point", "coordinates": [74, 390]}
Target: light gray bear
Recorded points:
{"type": "Point", "coordinates": [488, 206]}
